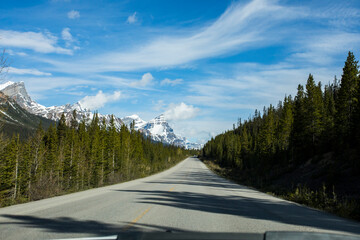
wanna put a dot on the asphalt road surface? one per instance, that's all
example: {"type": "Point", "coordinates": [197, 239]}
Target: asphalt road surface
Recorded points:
{"type": "Point", "coordinates": [187, 197]}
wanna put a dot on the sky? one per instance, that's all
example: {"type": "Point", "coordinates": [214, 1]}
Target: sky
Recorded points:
{"type": "Point", "coordinates": [201, 63]}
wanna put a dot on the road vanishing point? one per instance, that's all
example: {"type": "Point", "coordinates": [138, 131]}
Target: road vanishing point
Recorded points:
{"type": "Point", "coordinates": [187, 197]}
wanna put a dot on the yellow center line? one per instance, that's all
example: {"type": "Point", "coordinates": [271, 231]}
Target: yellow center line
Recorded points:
{"type": "Point", "coordinates": [136, 219]}
{"type": "Point", "coordinates": [171, 189]}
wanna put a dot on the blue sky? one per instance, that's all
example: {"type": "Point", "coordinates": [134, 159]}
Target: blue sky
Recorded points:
{"type": "Point", "coordinates": [202, 63]}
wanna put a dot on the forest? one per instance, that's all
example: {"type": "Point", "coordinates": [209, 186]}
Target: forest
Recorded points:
{"type": "Point", "coordinates": [319, 127]}
{"type": "Point", "coordinates": [71, 157]}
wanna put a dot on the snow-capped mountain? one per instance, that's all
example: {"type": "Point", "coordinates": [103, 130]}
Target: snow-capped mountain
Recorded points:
{"type": "Point", "coordinates": [17, 91]}
{"type": "Point", "coordinates": [161, 131]}
{"type": "Point", "coordinates": [139, 123]}
{"type": "Point", "coordinates": [191, 145]}
{"type": "Point", "coordinates": [16, 120]}
{"type": "Point", "coordinates": [158, 129]}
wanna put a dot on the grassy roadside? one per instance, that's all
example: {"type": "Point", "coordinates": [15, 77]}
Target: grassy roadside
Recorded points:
{"type": "Point", "coordinates": [320, 199]}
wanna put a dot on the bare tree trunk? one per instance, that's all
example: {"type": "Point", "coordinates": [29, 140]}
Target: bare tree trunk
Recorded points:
{"type": "Point", "coordinates": [16, 176]}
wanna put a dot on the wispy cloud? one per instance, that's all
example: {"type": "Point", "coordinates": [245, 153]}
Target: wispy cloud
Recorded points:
{"type": "Point", "coordinates": [31, 71]}
{"type": "Point", "coordinates": [323, 48]}
{"type": "Point", "coordinates": [158, 105]}
{"type": "Point", "coordinates": [73, 14]}
{"type": "Point", "coordinates": [239, 28]}
{"type": "Point", "coordinates": [38, 86]}
{"type": "Point", "coordinates": [36, 41]}
{"type": "Point", "coordinates": [66, 35]}
{"type": "Point", "coordinates": [170, 82]}
{"type": "Point", "coordinates": [99, 100]}
{"type": "Point", "coordinates": [11, 52]}
{"type": "Point", "coordinates": [132, 18]}
{"type": "Point", "coordinates": [251, 86]}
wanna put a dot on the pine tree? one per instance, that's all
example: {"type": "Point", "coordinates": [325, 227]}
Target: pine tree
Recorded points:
{"type": "Point", "coordinates": [313, 112]}
{"type": "Point", "coordinates": [329, 114]}
{"type": "Point", "coordinates": [73, 122]}
{"type": "Point", "coordinates": [61, 127]}
{"type": "Point", "coordinates": [297, 135]}
{"type": "Point", "coordinates": [347, 99]}
{"type": "Point", "coordinates": [285, 124]}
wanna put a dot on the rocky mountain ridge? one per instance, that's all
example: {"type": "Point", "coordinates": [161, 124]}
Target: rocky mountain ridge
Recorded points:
{"type": "Point", "coordinates": [158, 128]}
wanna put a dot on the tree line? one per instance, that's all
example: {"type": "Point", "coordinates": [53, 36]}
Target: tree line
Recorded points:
{"type": "Point", "coordinates": [318, 120]}
{"type": "Point", "coordinates": [68, 158]}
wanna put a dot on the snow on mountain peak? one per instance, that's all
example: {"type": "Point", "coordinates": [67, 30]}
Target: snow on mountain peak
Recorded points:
{"type": "Point", "coordinates": [6, 84]}
{"type": "Point", "coordinates": [134, 116]}
{"type": "Point", "coordinates": [158, 128]}
{"type": "Point", "coordinates": [139, 123]}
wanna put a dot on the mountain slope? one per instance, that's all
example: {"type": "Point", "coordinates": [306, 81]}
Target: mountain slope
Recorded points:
{"type": "Point", "coordinates": [158, 129]}
{"type": "Point", "coordinates": [17, 91]}
{"type": "Point", "coordinates": [16, 120]}
{"type": "Point", "coordinates": [139, 123]}
{"type": "Point", "coordinates": [162, 132]}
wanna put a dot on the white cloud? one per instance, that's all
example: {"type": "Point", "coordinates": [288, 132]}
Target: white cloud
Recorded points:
{"type": "Point", "coordinates": [39, 87]}
{"type": "Point", "coordinates": [325, 48]}
{"type": "Point", "coordinates": [146, 80]}
{"type": "Point", "coordinates": [11, 52]}
{"type": "Point", "coordinates": [168, 81]}
{"type": "Point", "coordinates": [73, 14]}
{"type": "Point", "coordinates": [132, 18]}
{"type": "Point", "coordinates": [180, 112]}
{"type": "Point", "coordinates": [36, 41]}
{"type": "Point", "coordinates": [66, 35]}
{"type": "Point", "coordinates": [200, 130]}
{"type": "Point", "coordinates": [99, 100]}
{"type": "Point", "coordinates": [159, 105]}
{"type": "Point", "coordinates": [68, 38]}
{"type": "Point", "coordinates": [31, 71]}
{"type": "Point", "coordinates": [239, 28]}
{"type": "Point", "coordinates": [253, 86]}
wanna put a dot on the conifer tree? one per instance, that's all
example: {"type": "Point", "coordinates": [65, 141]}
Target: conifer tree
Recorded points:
{"type": "Point", "coordinates": [297, 135]}
{"type": "Point", "coordinates": [286, 124]}
{"type": "Point", "coordinates": [313, 112]}
{"type": "Point", "coordinates": [346, 98]}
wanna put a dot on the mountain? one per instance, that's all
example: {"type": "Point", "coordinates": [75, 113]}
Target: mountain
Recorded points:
{"type": "Point", "coordinates": [16, 120]}
{"type": "Point", "coordinates": [18, 92]}
{"type": "Point", "coordinates": [158, 129]}
{"type": "Point", "coordinates": [139, 123]}
{"type": "Point", "coordinates": [161, 131]}
{"type": "Point", "coordinates": [191, 145]}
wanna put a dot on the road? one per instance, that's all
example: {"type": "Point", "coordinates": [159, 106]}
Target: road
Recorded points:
{"type": "Point", "coordinates": [187, 197]}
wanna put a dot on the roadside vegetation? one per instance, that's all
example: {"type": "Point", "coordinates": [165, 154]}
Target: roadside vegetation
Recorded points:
{"type": "Point", "coordinates": [306, 149]}
{"type": "Point", "coordinates": [65, 159]}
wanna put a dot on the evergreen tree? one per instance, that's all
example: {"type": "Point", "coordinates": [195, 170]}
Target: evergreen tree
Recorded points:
{"type": "Point", "coordinates": [73, 122]}
{"type": "Point", "coordinates": [297, 134]}
{"type": "Point", "coordinates": [346, 99]}
{"type": "Point", "coordinates": [313, 113]}
{"type": "Point", "coordinates": [61, 127]}
{"type": "Point", "coordinates": [286, 124]}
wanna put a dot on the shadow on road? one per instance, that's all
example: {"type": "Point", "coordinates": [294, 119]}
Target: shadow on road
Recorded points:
{"type": "Point", "coordinates": [220, 197]}
{"type": "Point", "coordinates": [62, 224]}
{"type": "Point", "coordinates": [73, 226]}
{"type": "Point", "coordinates": [233, 202]}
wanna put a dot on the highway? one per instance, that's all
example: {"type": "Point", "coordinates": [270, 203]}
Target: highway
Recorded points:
{"type": "Point", "coordinates": [187, 197]}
